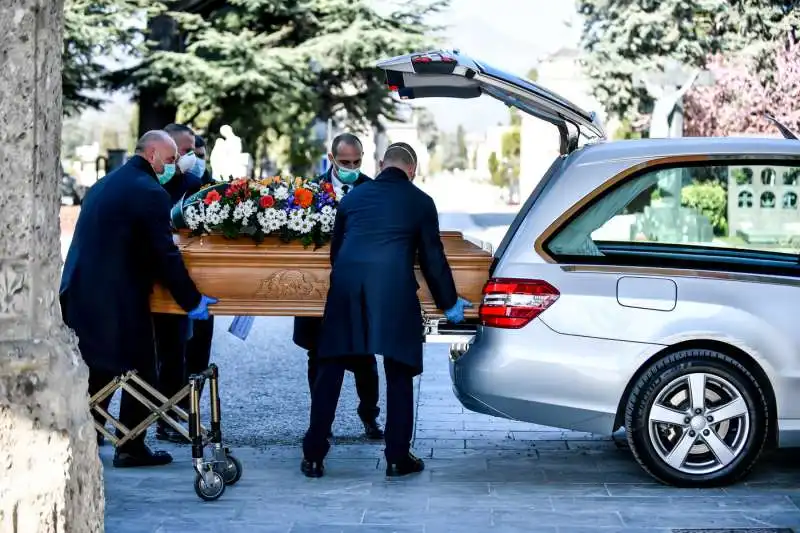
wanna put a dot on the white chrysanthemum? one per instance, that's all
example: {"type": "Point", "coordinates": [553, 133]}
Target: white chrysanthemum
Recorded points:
{"type": "Point", "coordinates": [194, 217]}
{"type": "Point", "coordinates": [264, 191]}
{"type": "Point", "coordinates": [271, 220]}
{"type": "Point", "coordinates": [281, 193]}
{"type": "Point", "coordinates": [307, 225]}
{"type": "Point", "coordinates": [216, 214]}
{"type": "Point", "coordinates": [327, 210]}
{"type": "Point", "coordinates": [243, 211]}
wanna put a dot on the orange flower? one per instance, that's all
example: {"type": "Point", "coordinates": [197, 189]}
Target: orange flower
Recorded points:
{"type": "Point", "coordinates": [212, 197]}
{"type": "Point", "coordinates": [303, 197]}
{"type": "Point", "coordinates": [276, 179]}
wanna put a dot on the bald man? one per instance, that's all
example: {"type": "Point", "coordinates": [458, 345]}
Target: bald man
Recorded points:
{"type": "Point", "coordinates": [381, 228]}
{"type": "Point", "coordinates": [123, 244]}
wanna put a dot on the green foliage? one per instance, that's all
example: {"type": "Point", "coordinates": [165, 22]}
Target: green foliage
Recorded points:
{"type": "Point", "coordinates": [710, 199]}
{"type": "Point", "coordinates": [427, 129]}
{"type": "Point", "coordinates": [454, 147]}
{"type": "Point", "coordinates": [262, 65]}
{"type": "Point", "coordinates": [495, 170]}
{"type": "Point", "coordinates": [94, 29]}
{"type": "Point", "coordinates": [626, 131]}
{"type": "Point", "coordinates": [533, 75]}
{"type": "Point", "coordinates": [621, 39]}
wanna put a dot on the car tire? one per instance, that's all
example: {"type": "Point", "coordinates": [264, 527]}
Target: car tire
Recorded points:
{"type": "Point", "coordinates": [679, 445]}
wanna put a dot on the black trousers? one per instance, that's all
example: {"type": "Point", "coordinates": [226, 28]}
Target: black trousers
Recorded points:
{"type": "Point", "coordinates": [131, 411]}
{"type": "Point", "coordinates": [399, 407]}
{"type": "Point", "coordinates": [365, 372]}
{"type": "Point", "coordinates": [198, 352]}
{"type": "Point", "coordinates": [170, 335]}
{"type": "Point", "coordinates": [198, 349]}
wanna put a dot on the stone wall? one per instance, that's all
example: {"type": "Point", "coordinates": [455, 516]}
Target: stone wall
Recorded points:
{"type": "Point", "coordinates": [50, 473]}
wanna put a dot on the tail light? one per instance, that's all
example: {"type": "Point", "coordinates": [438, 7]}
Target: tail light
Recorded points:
{"type": "Point", "coordinates": [512, 303]}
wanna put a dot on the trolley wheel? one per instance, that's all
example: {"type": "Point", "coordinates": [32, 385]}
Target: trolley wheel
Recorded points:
{"type": "Point", "coordinates": [209, 491]}
{"type": "Point", "coordinates": [231, 471]}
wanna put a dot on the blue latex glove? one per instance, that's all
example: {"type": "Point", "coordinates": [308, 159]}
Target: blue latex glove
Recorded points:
{"type": "Point", "coordinates": [456, 313]}
{"type": "Point", "coordinates": [201, 311]}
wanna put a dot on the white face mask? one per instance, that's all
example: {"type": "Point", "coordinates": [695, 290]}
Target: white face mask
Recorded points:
{"type": "Point", "coordinates": [187, 162]}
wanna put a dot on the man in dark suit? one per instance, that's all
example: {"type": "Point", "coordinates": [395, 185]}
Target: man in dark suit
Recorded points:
{"type": "Point", "coordinates": [172, 332]}
{"type": "Point", "coordinates": [198, 348]}
{"type": "Point", "coordinates": [122, 244]}
{"type": "Point", "coordinates": [345, 158]}
{"type": "Point", "coordinates": [372, 304]}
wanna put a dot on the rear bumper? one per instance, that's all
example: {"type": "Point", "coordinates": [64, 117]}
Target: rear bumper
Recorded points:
{"type": "Point", "coordinates": [537, 375]}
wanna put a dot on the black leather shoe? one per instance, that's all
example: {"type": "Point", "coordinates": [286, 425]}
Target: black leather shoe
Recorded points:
{"type": "Point", "coordinates": [410, 465]}
{"type": "Point", "coordinates": [312, 468]}
{"type": "Point", "coordinates": [141, 457]}
{"type": "Point", "coordinates": [373, 430]}
{"type": "Point", "coordinates": [169, 434]}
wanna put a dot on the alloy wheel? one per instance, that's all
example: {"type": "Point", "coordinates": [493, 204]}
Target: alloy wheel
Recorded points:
{"type": "Point", "coordinates": [699, 423]}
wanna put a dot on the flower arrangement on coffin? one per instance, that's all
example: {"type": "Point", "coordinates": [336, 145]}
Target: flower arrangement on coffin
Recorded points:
{"type": "Point", "coordinates": [290, 208]}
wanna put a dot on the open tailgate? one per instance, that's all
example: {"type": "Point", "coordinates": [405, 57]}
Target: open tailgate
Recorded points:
{"type": "Point", "coordinates": [443, 74]}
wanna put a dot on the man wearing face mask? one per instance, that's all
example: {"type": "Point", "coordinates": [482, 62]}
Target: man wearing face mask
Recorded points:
{"type": "Point", "coordinates": [198, 347]}
{"type": "Point", "coordinates": [121, 246]}
{"type": "Point", "coordinates": [200, 170]}
{"type": "Point", "coordinates": [381, 229]}
{"type": "Point", "coordinates": [345, 158]}
{"type": "Point", "coordinates": [173, 331]}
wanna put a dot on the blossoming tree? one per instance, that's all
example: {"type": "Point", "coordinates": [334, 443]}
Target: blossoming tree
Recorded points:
{"type": "Point", "coordinates": [737, 102]}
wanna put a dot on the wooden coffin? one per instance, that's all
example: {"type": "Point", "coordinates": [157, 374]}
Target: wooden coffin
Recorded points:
{"type": "Point", "coordinates": [284, 279]}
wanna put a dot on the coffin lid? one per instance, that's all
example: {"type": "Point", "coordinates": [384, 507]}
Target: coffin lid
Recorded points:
{"type": "Point", "coordinates": [450, 74]}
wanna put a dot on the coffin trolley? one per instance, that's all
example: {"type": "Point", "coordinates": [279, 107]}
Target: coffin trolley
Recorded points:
{"type": "Point", "coordinates": [212, 474]}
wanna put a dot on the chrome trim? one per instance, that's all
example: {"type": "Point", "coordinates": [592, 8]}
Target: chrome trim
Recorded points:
{"type": "Point", "coordinates": [684, 273]}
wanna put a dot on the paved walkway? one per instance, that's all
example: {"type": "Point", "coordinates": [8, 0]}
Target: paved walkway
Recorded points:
{"type": "Point", "coordinates": [482, 475]}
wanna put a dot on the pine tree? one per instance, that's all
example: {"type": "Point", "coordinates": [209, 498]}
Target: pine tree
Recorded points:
{"type": "Point", "coordinates": [94, 29]}
{"type": "Point", "coordinates": [621, 38]}
{"type": "Point", "coordinates": [262, 65]}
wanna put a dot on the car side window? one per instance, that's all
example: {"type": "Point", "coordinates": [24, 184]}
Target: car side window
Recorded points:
{"type": "Point", "coordinates": [748, 206]}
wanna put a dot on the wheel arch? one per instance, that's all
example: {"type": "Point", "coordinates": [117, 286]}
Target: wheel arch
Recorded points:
{"type": "Point", "coordinates": [744, 358]}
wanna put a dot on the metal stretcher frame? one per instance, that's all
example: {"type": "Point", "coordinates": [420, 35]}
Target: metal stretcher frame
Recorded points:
{"type": "Point", "coordinates": [211, 475]}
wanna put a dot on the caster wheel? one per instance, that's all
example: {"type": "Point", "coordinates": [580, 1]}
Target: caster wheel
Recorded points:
{"type": "Point", "coordinates": [231, 471]}
{"type": "Point", "coordinates": [209, 491]}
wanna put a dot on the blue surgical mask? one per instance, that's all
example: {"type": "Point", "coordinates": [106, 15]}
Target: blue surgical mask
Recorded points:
{"type": "Point", "coordinates": [346, 175]}
{"type": "Point", "coordinates": [199, 168]}
{"type": "Point", "coordinates": [169, 172]}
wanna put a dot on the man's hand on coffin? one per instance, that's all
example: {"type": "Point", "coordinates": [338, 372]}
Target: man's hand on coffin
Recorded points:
{"type": "Point", "coordinates": [456, 313]}
{"type": "Point", "coordinates": [201, 311]}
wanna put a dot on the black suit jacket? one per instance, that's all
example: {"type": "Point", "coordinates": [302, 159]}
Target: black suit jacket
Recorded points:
{"type": "Point", "coordinates": [122, 244]}
{"type": "Point", "coordinates": [307, 329]}
{"type": "Point", "coordinates": [381, 229]}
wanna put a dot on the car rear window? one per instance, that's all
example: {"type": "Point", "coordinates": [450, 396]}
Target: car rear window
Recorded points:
{"type": "Point", "coordinates": [693, 210]}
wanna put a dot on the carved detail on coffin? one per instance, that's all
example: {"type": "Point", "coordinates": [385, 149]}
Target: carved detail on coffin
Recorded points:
{"type": "Point", "coordinates": [292, 285]}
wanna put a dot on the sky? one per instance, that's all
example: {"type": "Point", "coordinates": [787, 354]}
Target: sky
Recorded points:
{"type": "Point", "coordinates": [508, 34]}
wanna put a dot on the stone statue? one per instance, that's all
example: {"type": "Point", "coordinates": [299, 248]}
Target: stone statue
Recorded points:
{"type": "Point", "coordinates": [51, 477]}
{"type": "Point", "coordinates": [226, 156]}
{"type": "Point", "coordinates": [667, 97]}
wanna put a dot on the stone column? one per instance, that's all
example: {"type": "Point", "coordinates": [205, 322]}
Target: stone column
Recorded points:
{"type": "Point", "coordinates": [50, 473]}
